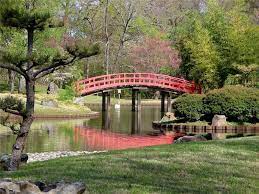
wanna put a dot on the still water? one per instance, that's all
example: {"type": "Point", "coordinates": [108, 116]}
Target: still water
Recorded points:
{"type": "Point", "coordinates": [116, 129]}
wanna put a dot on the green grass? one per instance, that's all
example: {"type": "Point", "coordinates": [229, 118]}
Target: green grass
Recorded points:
{"type": "Point", "coordinates": [226, 166]}
{"type": "Point", "coordinates": [64, 107]}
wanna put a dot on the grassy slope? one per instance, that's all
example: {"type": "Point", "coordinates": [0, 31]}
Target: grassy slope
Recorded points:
{"type": "Point", "coordinates": [227, 166]}
{"type": "Point", "coordinates": [64, 108]}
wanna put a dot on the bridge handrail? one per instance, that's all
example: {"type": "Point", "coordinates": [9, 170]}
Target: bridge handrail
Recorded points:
{"type": "Point", "coordinates": [137, 78]}
{"type": "Point", "coordinates": [134, 74]}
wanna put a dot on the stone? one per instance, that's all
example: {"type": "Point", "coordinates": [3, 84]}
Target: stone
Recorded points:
{"type": "Point", "coordinates": [74, 188]}
{"type": "Point", "coordinates": [219, 120]}
{"type": "Point", "coordinates": [9, 187]}
{"type": "Point", "coordinates": [49, 103]}
{"type": "Point", "coordinates": [187, 138]}
{"type": "Point", "coordinates": [29, 188]}
{"type": "Point", "coordinates": [79, 100]}
{"type": "Point", "coordinates": [24, 158]}
{"type": "Point", "coordinates": [169, 116]}
{"type": "Point", "coordinates": [4, 161]}
{"type": "Point", "coordinates": [52, 88]}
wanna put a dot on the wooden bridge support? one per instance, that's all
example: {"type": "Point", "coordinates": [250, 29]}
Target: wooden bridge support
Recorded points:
{"type": "Point", "coordinates": [106, 101]}
{"type": "Point", "coordinates": [136, 100]}
{"type": "Point", "coordinates": [166, 96]}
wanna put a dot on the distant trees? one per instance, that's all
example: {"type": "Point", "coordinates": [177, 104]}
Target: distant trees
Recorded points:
{"type": "Point", "coordinates": [215, 43]}
{"type": "Point", "coordinates": [153, 54]}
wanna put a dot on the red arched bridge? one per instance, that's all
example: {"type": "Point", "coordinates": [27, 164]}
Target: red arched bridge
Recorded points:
{"type": "Point", "coordinates": [126, 80]}
{"type": "Point", "coordinates": [166, 84]}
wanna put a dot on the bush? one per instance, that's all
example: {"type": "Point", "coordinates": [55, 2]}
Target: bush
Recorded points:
{"type": "Point", "coordinates": [13, 104]}
{"type": "Point", "coordinates": [236, 102]}
{"type": "Point", "coordinates": [66, 94]}
{"type": "Point", "coordinates": [189, 107]}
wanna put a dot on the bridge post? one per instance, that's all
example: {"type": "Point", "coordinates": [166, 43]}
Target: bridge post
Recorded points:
{"type": "Point", "coordinates": [133, 104]}
{"type": "Point", "coordinates": [106, 101]}
{"type": "Point", "coordinates": [169, 102]}
{"type": "Point", "coordinates": [163, 95]}
{"type": "Point", "coordinates": [136, 100]}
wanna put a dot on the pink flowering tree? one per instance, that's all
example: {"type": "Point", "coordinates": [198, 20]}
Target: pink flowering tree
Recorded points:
{"type": "Point", "coordinates": [153, 54]}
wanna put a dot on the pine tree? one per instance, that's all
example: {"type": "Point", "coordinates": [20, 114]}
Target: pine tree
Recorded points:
{"type": "Point", "coordinates": [34, 18]}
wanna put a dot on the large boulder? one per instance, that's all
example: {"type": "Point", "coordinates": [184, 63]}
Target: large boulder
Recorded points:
{"type": "Point", "coordinates": [26, 187]}
{"type": "Point", "coordinates": [188, 138]}
{"type": "Point", "coordinates": [219, 120]}
{"type": "Point", "coordinates": [74, 188]}
{"type": "Point", "coordinates": [169, 116]}
{"type": "Point", "coordinates": [52, 88]}
{"type": "Point", "coordinates": [49, 103]}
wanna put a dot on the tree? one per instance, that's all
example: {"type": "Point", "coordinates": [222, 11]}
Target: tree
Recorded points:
{"type": "Point", "coordinates": [152, 54]}
{"type": "Point", "coordinates": [36, 20]}
{"type": "Point", "coordinates": [219, 37]}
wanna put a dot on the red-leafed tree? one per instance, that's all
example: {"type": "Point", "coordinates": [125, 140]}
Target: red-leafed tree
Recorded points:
{"type": "Point", "coordinates": [152, 54]}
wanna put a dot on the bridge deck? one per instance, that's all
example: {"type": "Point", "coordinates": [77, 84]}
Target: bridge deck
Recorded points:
{"type": "Point", "coordinates": [124, 80]}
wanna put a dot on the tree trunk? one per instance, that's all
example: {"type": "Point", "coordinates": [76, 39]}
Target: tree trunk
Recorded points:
{"type": "Point", "coordinates": [11, 76]}
{"type": "Point", "coordinates": [107, 41]}
{"type": "Point", "coordinates": [18, 147]}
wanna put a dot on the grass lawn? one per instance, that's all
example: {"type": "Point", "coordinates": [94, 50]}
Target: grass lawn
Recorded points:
{"type": "Point", "coordinates": [64, 108]}
{"type": "Point", "coordinates": [225, 166]}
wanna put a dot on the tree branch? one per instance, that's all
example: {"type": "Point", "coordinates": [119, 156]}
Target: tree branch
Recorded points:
{"type": "Point", "coordinates": [13, 68]}
{"type": "Point", "coordinates": [50, 69]}
{"type": "Point", "coordinates": [14, 112]}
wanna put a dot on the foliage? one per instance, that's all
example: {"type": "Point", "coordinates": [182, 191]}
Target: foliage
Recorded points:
{"type": "Point", "coordinates": [153, 54]}
{"type": "Point", "coordinates": [236, 102]}
{"type": "Point", "coordinates": [66, 94]}
{"type": "Point", "coordinates": [213, 41]}
{"type": "Point", "coordinates": [189, 107]}
{"type": "Point", "coordinates": [11, 103]}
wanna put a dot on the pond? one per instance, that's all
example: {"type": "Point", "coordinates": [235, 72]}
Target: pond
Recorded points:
{"type": "Point", "coordinates": [116, 129]}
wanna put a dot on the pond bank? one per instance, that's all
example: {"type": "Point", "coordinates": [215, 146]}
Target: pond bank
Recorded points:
{"type": "Point", "coordinates": [44, 156]}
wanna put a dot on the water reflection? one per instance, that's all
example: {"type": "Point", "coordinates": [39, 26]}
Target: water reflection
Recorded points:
{"type": "Point", "coordinates": [135, 123]}
{"type": "Point", "coordinates": [112, 130]}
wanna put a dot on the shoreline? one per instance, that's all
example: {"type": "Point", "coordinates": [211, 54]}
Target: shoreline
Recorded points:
{"type": "Point", "coordinates": [45, 156]}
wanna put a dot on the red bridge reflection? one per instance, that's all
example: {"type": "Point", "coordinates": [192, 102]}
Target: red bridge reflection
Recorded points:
{"type": "Point", "coordinates": [106, 140]}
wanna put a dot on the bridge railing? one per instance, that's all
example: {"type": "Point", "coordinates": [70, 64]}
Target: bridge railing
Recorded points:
{"type": "Point", "coordinates": [105, 82]}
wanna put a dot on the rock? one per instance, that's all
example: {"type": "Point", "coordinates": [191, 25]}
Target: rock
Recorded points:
{"type": "Point", "coordinates": [24, 158]}
{"type": "Point", "coordinates": [168, 117]}
{"type": "Point", "coordinates": [9, 187]}
{"type": "Point", "coordinates": [26, 187]}
{"type": "Point", "coordinates": [4, 161]}
{"type": "Point", "coordinates": [74, 188]}
{"type": "Point", "coordinates": [29, 188]}
{"type": "Point", "coordinates": [219, 120]}
{"type": "Point", "coordinates": [41, 185]}
{"type": "Point", "coordinates": [190, 139]}
{"type": "Point", "coordinates": [52, 88]}
{"type": "Point", "coordinates": [80, 101]}
{"type": "Point", "coordinates": [49, 103]}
